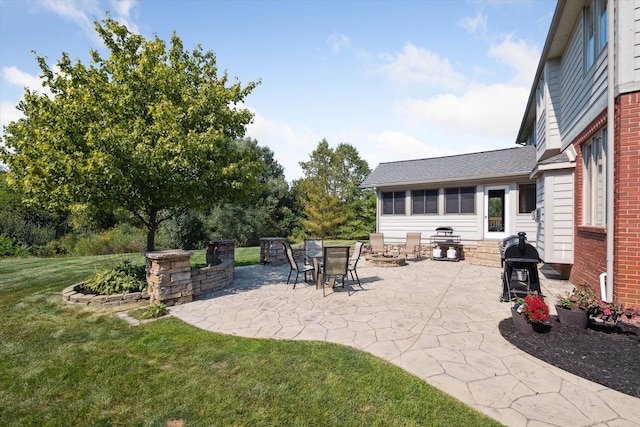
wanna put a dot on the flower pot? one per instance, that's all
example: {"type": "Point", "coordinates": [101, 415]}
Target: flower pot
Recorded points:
{"type": "Point", "coordinates": [573, 318]}
{"type": "Point", "coordinates": [520, 322]}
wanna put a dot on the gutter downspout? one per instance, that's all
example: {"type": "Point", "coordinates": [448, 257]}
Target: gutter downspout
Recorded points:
{"type": "Point", "coordinates": [611, 82]}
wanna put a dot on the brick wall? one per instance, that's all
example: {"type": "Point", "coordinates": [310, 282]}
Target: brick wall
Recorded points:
{"type": "Point", "coordinates": [627, 196]}
{"type": "Point", "coordinates": [590, 243]}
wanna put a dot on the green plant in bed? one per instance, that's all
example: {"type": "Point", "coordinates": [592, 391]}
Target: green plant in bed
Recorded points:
{"type": "Point", "coordinates": [123, 278]}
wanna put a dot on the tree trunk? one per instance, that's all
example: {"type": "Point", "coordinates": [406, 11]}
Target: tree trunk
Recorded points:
{"type": "Point", "coordinates": [152, 227]}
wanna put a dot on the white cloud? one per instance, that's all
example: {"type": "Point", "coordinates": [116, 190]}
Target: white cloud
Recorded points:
{"type": "Point", "coordinates": [19, 78]}
{"type": "Point", "coordinates": [85, 12]}
{"type": "Point", "coordinates": [518, 55]}
{"type": "Point", "coordinates": [472, 25]}
{"type": "Point", "coordinates": [338, 41]}
{"type": "Point", "coordinates": [419, 66]}
{"type": "Point", "coordinates": [8, 114]}
{"type": "Point", "coordinates": [493, 110]}
{"type": "Point", "coordinates": [81, 13]}
{"type": "Point", "coordinates": [397, 145]}
{"type": "Point", "coordinates": [290, 145]}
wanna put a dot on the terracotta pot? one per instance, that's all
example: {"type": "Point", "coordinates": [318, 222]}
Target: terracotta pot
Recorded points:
{"type": "Point", "coordinates": [573, 318]}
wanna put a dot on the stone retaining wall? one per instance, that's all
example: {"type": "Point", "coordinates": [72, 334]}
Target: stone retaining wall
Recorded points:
{"type": "Point", "coordinates": [72, 295]}
{"type": "Point", "coordinates": [170, 279]}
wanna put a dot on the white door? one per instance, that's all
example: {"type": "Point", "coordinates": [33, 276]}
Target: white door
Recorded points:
{"type": "Point", "coordinates": [496, 212]}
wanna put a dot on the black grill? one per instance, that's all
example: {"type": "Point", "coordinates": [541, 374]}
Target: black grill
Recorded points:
{"type": "Point", "coordinates": [521, 258]}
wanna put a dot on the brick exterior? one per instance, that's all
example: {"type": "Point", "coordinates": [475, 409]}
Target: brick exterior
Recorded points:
{"type": "Point", "coordinates": [627, 195]}
{"type": "Point", "coordinates": [590, 242]}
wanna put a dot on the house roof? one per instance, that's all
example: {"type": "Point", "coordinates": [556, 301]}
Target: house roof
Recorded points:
{"type": "Point", "coordinates": [474, 166]}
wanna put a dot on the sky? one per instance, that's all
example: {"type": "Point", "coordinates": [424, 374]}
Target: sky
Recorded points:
{"type": "Point", "coordinates": [397, 80]}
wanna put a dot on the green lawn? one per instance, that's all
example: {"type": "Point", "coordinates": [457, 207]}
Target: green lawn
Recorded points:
{"type": "Point", "coordinates": [68, 365]}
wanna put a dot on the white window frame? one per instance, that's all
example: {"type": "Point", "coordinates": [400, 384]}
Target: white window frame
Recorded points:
{"type": "Point", "coordinates": [595, 31]}
{"type": "Point", "coordinates": [594, 183]}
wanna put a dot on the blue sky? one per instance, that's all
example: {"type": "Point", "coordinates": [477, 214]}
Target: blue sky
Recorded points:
{"type": "Point", "coordinates": [396, 79]}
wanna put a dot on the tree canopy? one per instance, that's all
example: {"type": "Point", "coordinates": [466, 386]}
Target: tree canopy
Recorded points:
{"type": "Point", "coordinates": [332, 202]}
{"type": "Point", "coordinates": [150, 128]}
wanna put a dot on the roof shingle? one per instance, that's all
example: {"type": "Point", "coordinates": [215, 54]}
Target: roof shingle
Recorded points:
{"type": "Point", "coordinates": [473, 166]}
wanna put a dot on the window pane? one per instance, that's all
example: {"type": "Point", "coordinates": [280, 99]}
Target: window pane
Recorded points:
{"type": "Point", "coordinates": [467, 200]}
{"type": "Point", "coordinates": [387, 203]}
{"type": "Point", "coordinates": [417, 200]}
{"type": "Point", "coordinates": [589, 36]}
{"type": "Point", "coordinates": [602, 27]}
{"type": "Point", "coordinates": [431, 202]}
{"type": "Point", "coordinates": [451, 204]}
{"type": "Point", "coordinates": [527, 198]}
{"type": "Point", "coordinates": [398, 203]}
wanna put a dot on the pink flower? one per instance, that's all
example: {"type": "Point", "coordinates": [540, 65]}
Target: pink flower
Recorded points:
{"type": "Point", "coordinates": [606, 312]}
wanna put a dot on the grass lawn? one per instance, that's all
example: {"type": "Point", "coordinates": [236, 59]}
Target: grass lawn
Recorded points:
{"type": "Point", "coordinates": [75, 366]}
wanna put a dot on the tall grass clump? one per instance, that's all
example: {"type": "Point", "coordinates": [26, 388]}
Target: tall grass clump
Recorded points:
{"type": "Point", "coordinates": [121, 239]}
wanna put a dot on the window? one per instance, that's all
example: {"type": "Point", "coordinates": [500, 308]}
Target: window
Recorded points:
{"type": "Point", "coordinates": [594, 154]}
{"type": "Point", "coordinates": [424, 202]}
{"type": "Point", "coordinates": [460, 200]}
{"type": "Point", "coordinates": [526, 198]}
{"type": "Point", "coordinates": [393, 203]}
{"type": "Point", "coordinates": [595, 30]}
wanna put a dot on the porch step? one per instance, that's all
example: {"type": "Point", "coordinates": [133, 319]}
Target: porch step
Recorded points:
{"type": "Point", "coordinates": [487, 254]}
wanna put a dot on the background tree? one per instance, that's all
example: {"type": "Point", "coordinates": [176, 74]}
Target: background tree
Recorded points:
{"type": "Point", "coordinates": [148, 129]}
{"type": "Point", "coordinates": [269, 210]}
{"type": "Point", "coordinates": [26, 228]}
{"type": "Point", "coordinates": [332, 202]}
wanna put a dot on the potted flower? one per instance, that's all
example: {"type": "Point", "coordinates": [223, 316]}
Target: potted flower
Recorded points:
{"type": "Point", "coordinates": [530, 313]}
{"type": "Point", "coordinates": [573, 308]}
{"type": "Point", "coordinates": [606, 312]}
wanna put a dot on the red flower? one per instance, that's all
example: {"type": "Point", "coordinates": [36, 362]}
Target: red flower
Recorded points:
{"type": "Point", "coordinates": [536, 309]}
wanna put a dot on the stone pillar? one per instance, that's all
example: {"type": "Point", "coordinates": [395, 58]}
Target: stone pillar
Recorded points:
{"type": "Point", "coordinates": [271, 251]}
{"type": "Point", "coordinates": [169, 277]}
{"type": "Point", "coordinates": [220, 250]}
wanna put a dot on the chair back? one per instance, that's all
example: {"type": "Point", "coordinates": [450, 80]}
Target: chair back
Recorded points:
{"type": "Point", "coordinates": [336, 261]}
{"type": "Point", "coordinates": [413, 240]}
{"type": "Point", "coordinates": [357, 250]}
{"type": "Point", "coordinates": [376, 240]}
{"type": "Point", "coordinates": [313, 248]}
{"type": "Point", "coordinates": [289, 251]}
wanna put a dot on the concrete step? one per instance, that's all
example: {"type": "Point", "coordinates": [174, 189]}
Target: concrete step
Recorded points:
{"type": "Point", "coordinates": [487, 253]}
{"type": "Point", "coordinates": [484, 262]}
{"type": "Point", "coordinates": [487, 256]}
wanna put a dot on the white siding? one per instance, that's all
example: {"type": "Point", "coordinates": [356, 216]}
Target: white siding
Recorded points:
{"type": "Point", "coordinates": [540, 200]}
{"type": "Point", "coordinates": [470, 227]}
{"type": "Point", "coordinates": [558, 217]}
{"type": "Point", "coordinates": [628, 45]}
{"type": "Point", "coordinates": [583, 92]}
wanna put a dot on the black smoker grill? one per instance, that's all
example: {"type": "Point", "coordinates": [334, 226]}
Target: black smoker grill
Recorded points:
{"type": "Point", "coordinates": [521, 258]}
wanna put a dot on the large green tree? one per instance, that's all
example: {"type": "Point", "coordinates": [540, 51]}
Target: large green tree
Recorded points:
{"type": "Point", "coordinates": [150, 128]}
{"type": "Point", "coordinates": [332, 202]}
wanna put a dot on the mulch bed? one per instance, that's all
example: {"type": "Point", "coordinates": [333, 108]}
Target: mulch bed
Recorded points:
{"type": "Point", "coordinates": [606, 355]}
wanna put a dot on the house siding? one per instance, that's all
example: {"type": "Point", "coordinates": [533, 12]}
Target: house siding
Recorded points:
{"type": "Point", "coordinates": [584, 92]}
{"type": "Point", "coordinates": [561, 218]}
{"type": "Point", "coordinates": [540, 204]}
{"type": "Point", "coordinates": [470, 227]}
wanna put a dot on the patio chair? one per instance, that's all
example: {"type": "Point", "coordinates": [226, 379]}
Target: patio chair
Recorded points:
{"type": "Point", "coordinates": [376, 241]}
{"type": "Point", "coordinates": [353, 263]}
{"type": "Point", "coordinates": [294, 265]}
{"type": "Point", "coordinates": [312, 249]}
{"type": "Point", "coordinates": [412, 245]}
{"type": "Point", "coordinates": [335, 265]}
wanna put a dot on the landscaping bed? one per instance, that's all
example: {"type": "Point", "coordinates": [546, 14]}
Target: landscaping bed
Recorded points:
{"type": "Point", "coordinates": [605, 355]}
